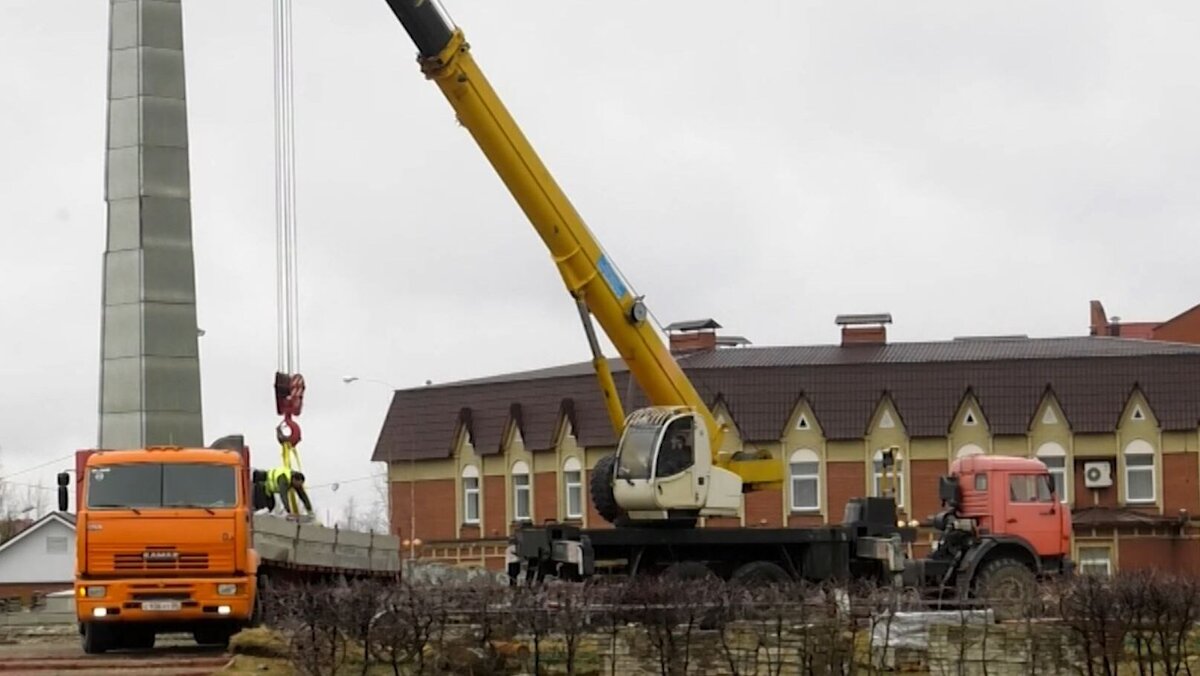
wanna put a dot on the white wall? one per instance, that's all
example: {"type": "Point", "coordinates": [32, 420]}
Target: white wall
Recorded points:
{"type": "Point", "coordinates": [28, 561]}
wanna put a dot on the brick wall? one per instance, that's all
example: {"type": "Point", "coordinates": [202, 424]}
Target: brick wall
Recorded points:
{"type": "Point", "coordinates": [1084, 495]}
{"type": "Point", "coordinates": [545, 497]}
{"type": "Point", "coordinates": [1179, 484]}
{"type": "Point", "coordinates": [923, 487]}
{"type": "Point", "coordinates": [808, 520]}
{"type": "Point", "coordinates": [435, 509]}
{"type": "Point", "coordinates": [1183, 329]}
{"type": "Point", "coordinates": [764, 508]}
{"type": "Point", "coordinates": [1161, 552]}
{"type": "Point", "coordinates": [495, 496]}
{"type": "Point", "coordinates": [846, 480]}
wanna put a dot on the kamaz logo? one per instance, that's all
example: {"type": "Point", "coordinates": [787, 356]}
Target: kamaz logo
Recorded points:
{"type": "Point", "coordinates": [159, 555]}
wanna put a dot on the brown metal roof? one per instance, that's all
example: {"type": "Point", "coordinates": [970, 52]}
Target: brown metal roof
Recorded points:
{"type": "Point", "coordinates": [1092, 377]}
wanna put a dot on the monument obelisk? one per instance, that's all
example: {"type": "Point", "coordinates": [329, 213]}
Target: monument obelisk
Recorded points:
{"type": "Point", "coordinates": [150, 364]}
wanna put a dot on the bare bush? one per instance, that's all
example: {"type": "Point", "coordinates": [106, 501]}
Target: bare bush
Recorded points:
{"type": "Point", "coordinates": [404, 628]}
{"type": "Point", "coordinates": [669, 611]}
{"type": "Point", "coordinates": [574, 615]}
{"type": "Point", "coordinates": [309, 613]}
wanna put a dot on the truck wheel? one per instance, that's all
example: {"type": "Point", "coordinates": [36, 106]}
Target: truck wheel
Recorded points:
{"type": "Point", "coordinates": [760, 573]}
{"type": "Point", "coordinates": [688, 570]}
{"type": "Point", "coordinates": [601, 487]}
{"type": "Point", "coordinates": [95, 639]}
{"type": "Point", "coordinates": [212, 636]}
{"type": "Point", "coordinates": [141, 639]}
{"type": "Point", "coordinates": [1006, 585]}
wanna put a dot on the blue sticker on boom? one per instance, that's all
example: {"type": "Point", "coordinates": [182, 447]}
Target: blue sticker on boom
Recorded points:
{"type": "Point", "coordinates": [611, 277]}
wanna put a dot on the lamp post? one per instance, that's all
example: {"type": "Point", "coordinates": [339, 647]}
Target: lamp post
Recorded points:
{"type": "Point", "coordinates": [412, 541]}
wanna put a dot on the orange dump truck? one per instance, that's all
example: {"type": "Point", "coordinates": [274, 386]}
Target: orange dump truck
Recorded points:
{"type": "Point", "coordinates": [167, 541]}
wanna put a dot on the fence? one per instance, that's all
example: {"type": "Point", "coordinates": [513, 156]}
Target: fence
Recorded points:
{"type": "Point", "coordinates": [1136, 623]}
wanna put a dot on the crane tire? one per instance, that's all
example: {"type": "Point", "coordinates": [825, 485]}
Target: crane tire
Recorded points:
{"type": "Point", "coordinates": [760, 573]}
{"type": "Point", "coordinates": [1006, 585]}
{"type": "Point", "coordinates": [601, 488]}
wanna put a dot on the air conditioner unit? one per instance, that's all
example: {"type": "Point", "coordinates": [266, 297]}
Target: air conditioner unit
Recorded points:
{"type": "Point", "coordinates": [1097, 474]}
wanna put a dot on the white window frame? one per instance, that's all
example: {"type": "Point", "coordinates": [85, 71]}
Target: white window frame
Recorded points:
{"type": "Point", "coordinates": [806, 456]}
{"type": "Point", "coordinates": [1083, 564]}
{"type": "Point", "coordinates": [573, 485]}
{"type": "Point", "coordinates": [1141, 448]}
{"type": "Point", "coordinates": [1062, 474]}
{"type": "Point", "coordinates": [877, 476]}
{"type": "Point", "coordinates": [968, 450]}
{"type": "Point", "coordinates": [522, 486]}
{"type": "Point", "coordinates": [470, 484]}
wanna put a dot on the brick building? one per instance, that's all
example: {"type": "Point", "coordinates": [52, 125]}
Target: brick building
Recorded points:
{"type": "Point", "coordinates": [1117, 420]}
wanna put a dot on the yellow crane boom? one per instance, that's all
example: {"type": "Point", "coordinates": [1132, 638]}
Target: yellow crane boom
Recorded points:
{"type": "Point", "coordinates": [590, 277]}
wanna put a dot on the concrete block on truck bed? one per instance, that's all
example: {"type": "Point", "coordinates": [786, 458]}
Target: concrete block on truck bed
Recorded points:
{"type": "Point", "coordinates": [306, 544]}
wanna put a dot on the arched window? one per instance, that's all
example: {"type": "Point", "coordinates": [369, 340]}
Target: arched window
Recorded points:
{"type": "Point", "coordinates": [1139, 472]}
{"type": "Point", "coordinates": [470, 482]}
{"type": "Point", "coordinates": [897, 470]}
{"type": "Point", "coordinates": [968, 450]}
{"type": "Point", "coordinates": [522, 502]}
{"type": "Point", "coordinates": [573, 488]}
{"type": "Point", "coordinates": [805, 471]}
{"type": "Point", "coordinates": [1054, 457]}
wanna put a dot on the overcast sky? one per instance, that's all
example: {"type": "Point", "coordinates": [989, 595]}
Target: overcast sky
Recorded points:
{"type": "Point", "coordinates": [972, 168]}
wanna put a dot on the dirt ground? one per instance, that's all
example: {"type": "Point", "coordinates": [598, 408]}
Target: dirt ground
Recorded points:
{"type": "Point", "coordinates": [60, 653]}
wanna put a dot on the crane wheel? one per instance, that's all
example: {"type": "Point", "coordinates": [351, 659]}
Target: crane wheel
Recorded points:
{"type": "Point", "coordinates": [760, 574]}
{"type": "Point", "coordinates": [1006, 585]}
{"type": "Point", "coordinates": [601, 486]}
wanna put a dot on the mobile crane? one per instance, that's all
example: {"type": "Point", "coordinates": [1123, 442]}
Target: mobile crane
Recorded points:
{"type": "Point", "coordinates": [1001, 525]}
{"type": "Point", "coordinates": [668, 467]}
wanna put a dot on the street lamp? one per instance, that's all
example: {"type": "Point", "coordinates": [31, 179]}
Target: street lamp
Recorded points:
{"type": "Point", "coordinates": [411, 542]}
{"type": "Point", "coordinates": [353, 379]}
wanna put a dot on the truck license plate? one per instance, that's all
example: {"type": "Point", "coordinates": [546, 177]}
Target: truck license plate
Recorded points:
{"type": "Point", "coordinates": [160, 605]}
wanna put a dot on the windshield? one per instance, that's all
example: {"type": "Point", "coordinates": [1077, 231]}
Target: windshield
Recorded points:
{"type": "Point", "coordinates": [637, 447]}
{"type": "Point", "coordinates": [154, 485]}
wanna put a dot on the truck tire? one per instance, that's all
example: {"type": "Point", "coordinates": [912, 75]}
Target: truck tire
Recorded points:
{"type": "Point", "coordinates": [688, 570]}
{"type": "Point", "coordinates": [760, 573]}
{"type": "Point", "coordinates": [600, 484]}
{"type": "Point", "coordinates": [1006, 585]}
{"type": "Point", "coordinates": [138, 639]}
{"type": "Point", "coordinates": [212, 636]}
{"type": "Point", "coordinates": [96, 638]}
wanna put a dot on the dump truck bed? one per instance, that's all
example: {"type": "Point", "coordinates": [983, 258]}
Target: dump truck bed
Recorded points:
{"type": "Point", "coordinates": [285, 543]}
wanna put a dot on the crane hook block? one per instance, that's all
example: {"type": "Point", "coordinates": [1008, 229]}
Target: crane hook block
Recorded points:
{"type": "Point", "coordinates": [288, 432]}
{"type": "Point", "coordinates": [289, 393]}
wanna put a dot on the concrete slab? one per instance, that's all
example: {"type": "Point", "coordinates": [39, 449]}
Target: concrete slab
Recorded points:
{"type": "Point", "coordinates": [305, 544]}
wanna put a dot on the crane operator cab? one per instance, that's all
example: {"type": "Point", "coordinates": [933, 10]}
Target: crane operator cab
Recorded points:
{"type": "Point", "coordinates": [664, 469]}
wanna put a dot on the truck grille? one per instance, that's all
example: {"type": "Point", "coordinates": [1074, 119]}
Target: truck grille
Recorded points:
{"type": "Point", "coordinates": [160, 559]}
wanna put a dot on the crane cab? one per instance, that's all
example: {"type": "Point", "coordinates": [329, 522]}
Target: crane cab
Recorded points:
{"type": "Point", "coordinates": [664, 468]}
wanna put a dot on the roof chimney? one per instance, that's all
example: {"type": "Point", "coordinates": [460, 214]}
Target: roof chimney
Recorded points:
{"type": "Point", "coordinates": [1100, 325]}
{"type": "Point", "coordinates": [697, 335]}
{"type": "Point", "coordinates": [864, 329]}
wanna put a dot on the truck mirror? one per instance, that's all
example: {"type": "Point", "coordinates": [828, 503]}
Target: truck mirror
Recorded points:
{"type": "Point", "coordinates": [64, 479]}
{"type": "Point", "coordinates": [948, 490]}
{"type": "Point", "coordinates": [62, 498]}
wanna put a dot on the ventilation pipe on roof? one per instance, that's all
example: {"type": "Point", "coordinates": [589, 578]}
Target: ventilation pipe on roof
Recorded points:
{"type": "Point", "coordinates": [864, 329]}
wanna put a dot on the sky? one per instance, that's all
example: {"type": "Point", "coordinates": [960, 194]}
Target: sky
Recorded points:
{"type": "Point", "coordinates": [971, 168]}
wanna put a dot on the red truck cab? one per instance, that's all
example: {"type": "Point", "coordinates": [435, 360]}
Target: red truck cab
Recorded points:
{"type": "Point", "coordinates": [1014, 497]}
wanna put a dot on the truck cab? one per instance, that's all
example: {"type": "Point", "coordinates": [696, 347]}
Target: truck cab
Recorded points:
{"type": "Point", "coordinates": [1001, 527]}
{"type": "Point", "coordinates": [162, 545]}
